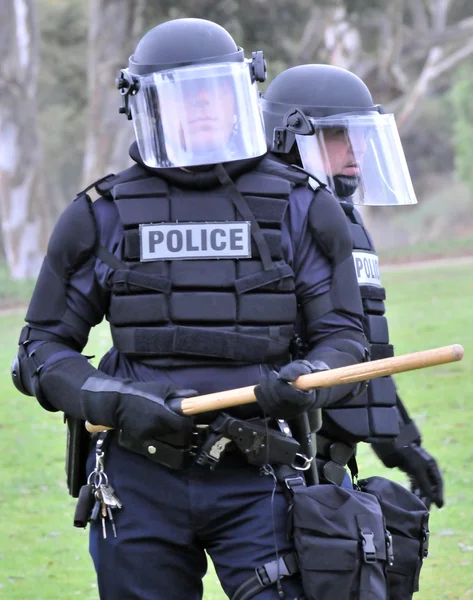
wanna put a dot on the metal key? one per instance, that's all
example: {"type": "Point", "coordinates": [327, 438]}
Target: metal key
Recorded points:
{"type": "Point", "coordinates": [102, 511]}
{"type": "Point", "coordinates": [109, 496]}
{"type": "Point", "coordinates": [110, 502]}
{"type": "Point", "coordinates": [104, 525]}
{"type": "Point", "coordinates": [112, 522]}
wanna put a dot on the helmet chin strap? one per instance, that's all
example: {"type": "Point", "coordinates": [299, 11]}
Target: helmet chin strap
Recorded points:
{"type": "Point", "coordinates": [345, 185]}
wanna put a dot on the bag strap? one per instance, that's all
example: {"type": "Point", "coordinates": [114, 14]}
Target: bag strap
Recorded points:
{"type": "Point", "coordinates": [266, 575]}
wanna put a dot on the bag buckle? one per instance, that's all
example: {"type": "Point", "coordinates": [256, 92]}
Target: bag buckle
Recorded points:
{"type": "Point", "coordinates": [291, 482]}
{"type": "Point", "coordinates": [369, 550]}
{"type": "Point", "coordinates": [389, 548]}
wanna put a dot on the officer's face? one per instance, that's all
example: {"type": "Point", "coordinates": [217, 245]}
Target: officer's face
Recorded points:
{"type": "Point", "coordinates": [204, 116]}
{"type": "Point", "coordinates": [343, 153]}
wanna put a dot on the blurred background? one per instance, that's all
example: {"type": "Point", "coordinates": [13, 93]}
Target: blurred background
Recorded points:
{"type": "Point", "coordinates": [60, 130]}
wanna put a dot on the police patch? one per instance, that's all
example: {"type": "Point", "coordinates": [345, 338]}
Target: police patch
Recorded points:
{"type": "Point", "coordinates": [367, 268]}
{"type": "Point", "coordinates": [181, 241]}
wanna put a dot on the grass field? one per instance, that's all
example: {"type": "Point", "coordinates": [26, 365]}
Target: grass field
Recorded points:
{"type": "Point", "coordinates": [43, 557]}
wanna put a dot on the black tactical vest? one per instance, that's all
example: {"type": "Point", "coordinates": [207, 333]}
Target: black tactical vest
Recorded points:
{"type": "Point", "coordinates": [373, 414]}
{"type": "Point", "coordinates": [173, 312]}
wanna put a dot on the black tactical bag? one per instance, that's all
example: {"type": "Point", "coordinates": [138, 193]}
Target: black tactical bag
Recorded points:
{"type": "Point", "coordinates": [407, 519]}
{"type": "Point", "coordinates": [342, 544]}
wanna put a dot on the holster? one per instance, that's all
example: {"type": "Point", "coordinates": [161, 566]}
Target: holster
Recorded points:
{"type": "Point", "coordinates": [77, 450]}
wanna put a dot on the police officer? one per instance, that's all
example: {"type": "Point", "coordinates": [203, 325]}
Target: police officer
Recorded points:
{"type": "Point", "coordinates": [201, 258]}
{"type": "Point", "coordinates": [323, 119]}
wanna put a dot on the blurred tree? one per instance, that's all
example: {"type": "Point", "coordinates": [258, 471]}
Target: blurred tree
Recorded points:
{"type": "Point", "coordinates": [406, 50]}
{"type": "Point", "coordinates": [62, 93]}
{"type": "Point", "coordinates": [23, 192]}
{"type": "Point", "coordinates": [461, 97]}
{"type": "Point", "coordinates": [109, 133]}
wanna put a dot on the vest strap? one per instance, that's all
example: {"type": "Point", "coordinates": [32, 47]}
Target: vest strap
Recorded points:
{"type": "Point", "coordinates": [256, 280]}
{"type": "Point", "coordinates": [244, 210]}
{"type": "Point", "coordinates": [199, 342]}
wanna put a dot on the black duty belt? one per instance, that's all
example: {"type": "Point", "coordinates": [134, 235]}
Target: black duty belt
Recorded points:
{"type": "Point", "coordinates": [256, 439]}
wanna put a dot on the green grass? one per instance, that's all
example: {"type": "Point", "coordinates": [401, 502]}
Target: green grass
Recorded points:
{"type": "Point", "coordinates": [429, 250]}
{"type": "Point", "coordinates": [43, 557]}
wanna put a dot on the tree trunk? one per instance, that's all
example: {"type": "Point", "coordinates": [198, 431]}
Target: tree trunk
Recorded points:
{"type": "Point", "coordinates": [115, 27]}
{"type": "Point", "coordinates": [23, 197]}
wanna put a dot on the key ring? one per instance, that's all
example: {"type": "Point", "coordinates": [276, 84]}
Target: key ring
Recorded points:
{"type": "Point", "coordinates": [99, 478]}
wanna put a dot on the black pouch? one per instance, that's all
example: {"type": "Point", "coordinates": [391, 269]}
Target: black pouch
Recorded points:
{"type": "Point", "coordinates": [407, 519]}
{"type": "Point", "coordinates": [341, 543]}
{"type": "Point", "coordinates": [77, 451]}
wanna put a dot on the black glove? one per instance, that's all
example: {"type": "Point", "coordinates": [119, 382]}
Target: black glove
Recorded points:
{"type": "Point", "coordinates": [280, 400]}
{"type": "Point", "coordinates": [422, 470]}
{"type": "Point", "coordinates": [139, 408]}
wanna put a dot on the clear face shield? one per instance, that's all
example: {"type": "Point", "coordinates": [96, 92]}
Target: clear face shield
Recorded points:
{"type": "Point", "coordinates": [197, 115]}
{"type": "Point", "coordinates": [358, 156]}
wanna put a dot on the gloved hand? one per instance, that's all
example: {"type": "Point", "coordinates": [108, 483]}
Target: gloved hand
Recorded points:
{"type": "Point", "coordinates": [139, 408]}
{"type": "Point", "coordinates": [422, 470]}
{"type": "Point", "coordinates": [280, 400]}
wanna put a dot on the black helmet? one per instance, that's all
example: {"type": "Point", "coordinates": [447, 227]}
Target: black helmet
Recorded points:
{"type": "Point", "coordinates": [315, 91]}
{"type": "Point", "coordinates": [183, 42]}
{"type": "Point", "coordinates": [324, 117]}
{"type": "Point", "coordinates": [192, 96]}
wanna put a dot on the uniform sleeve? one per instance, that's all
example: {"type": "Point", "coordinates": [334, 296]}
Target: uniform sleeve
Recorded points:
{"type": "Point", "coordinates": [331, 328]}
{"type": "Point", "coordinates": [70, 297]}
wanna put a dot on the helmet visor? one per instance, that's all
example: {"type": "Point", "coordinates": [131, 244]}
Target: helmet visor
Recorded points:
{"type": "Point", "coordinates": [359, 156]}
{"type": "Point", "coordinates": [198, 115]}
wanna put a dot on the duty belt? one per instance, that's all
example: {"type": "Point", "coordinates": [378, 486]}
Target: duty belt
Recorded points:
{"type": "Point", "coordinates": [255, 439]}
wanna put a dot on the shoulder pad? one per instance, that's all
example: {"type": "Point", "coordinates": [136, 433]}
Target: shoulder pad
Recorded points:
{"type": "Point", "coordinates": [291, 173]}
{"type": "Point", "coordinates": [329, 226]}
{"type": "Point", "coordinates": [261, 183]}
{"type": "Point", "coordinates": [73, 238]}
{"type": "Point", "coordinates": [105, 185]}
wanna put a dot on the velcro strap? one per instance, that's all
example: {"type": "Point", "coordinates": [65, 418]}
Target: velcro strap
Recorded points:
{"type": "Point", "coordinates": [378, 351]}
{"type": "Point", "coordinates": [192, 341]}
{"type": "Point", "coordinates": [256, 280]}
{"type": "Point", "coordinates": [29, 334]}
{"type": "Point", "coordinates": [142, 280]}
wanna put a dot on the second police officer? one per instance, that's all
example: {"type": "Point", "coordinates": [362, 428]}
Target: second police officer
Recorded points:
{"type": "Point", "coordinates": [202, 259]}
{"type": "Point", "coordinates": [353, 148]}
{"type": "Point", "coordinates": [322, 119]}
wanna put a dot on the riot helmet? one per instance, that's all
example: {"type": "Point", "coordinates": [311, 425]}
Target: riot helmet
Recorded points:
{"type": "Point", "coordinates": [193, 96]}
{"type": "Point", "coordinates": [342, 138]}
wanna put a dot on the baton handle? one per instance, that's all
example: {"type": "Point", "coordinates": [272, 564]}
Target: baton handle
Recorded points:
{"type": "Point", "coordinates": [342, 375]}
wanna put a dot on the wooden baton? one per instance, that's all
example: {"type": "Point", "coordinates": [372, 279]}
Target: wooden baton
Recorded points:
{"type": "Point", "coordinates": [350, 374]}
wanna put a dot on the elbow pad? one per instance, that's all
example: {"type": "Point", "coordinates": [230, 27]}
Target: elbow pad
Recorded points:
{"type": "Point", "coordinates": [51, 372]}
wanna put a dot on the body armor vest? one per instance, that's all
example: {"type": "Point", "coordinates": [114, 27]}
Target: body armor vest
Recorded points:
{"type": "Point", "coordinates": [372, 414]}
{"type": "Point", "coordinates": [173, 312]}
